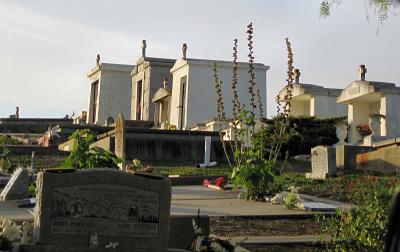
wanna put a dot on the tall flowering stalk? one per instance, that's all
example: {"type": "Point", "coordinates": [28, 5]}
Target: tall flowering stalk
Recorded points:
{"type": "Point", "coordinates": [235, 97]}
{"type": "Point", "coordinates": [251, 67]}
{"type": "Point", "coordinates": [220, 101]}
{"type": "Point", "coordinates": [281, 121]}
{"type": "Point", "coordinates": [249, 168]}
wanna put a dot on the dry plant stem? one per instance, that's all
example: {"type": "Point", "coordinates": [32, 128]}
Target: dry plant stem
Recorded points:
{"type": "Point", "coordinates": [251, 82]}
{"type": "Point", "coordinates": [283, 115]}
{"type": "Point", "coordinates": [235, 98]}
{"type": "Point", "coordinates": [220, 110]}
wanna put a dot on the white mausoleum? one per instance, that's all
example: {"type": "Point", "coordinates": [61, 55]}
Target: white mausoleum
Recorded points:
{"type": "Point", "coordinates": [314, 100]}
{"type": "Point", "coordinates": [193, 98]}
{"type": "Point", "coordinates": [148, 76]}
{"type": "Point", "coordinates": [110, 92]}
{"type": "Point", "coordinates": [367, 99]}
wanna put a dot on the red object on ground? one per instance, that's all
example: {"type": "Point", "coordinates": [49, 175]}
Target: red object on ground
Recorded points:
{"type": "Point", "coordinates": [220, 181]}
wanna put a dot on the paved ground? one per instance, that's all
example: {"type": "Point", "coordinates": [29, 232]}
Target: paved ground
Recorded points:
{"type": "Point", "coordinates": [186, 200]}
{"type": "Point", "coordinates": [10, 210]}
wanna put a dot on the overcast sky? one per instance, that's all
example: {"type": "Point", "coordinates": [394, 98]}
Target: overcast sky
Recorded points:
{"type": "Point", "coordinates": [48, 46]}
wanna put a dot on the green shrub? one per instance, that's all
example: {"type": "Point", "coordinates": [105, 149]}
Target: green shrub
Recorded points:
{"type": "Point", "coordinates": [5, 162]}
{"type": "Point", "coordinates": [305, 133]}
{"type": "Point", "coordinates": [364, 227]}
{"type": "Point", "coordinates": [82, 156]}
{"type": "Point", "coordinates": [7, 140]}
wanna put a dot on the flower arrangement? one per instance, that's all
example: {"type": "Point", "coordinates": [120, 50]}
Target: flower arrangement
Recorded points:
{"type": "Point", "coordinates": [364, 130]}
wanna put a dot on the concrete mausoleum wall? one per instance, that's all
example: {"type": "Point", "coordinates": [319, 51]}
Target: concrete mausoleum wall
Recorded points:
{"type": "Point", "coordinates": [114, 92]}
{"type": "Point", "coordinates": [151, 72]}
{"type": "Point", "coordinates": [200, 103]}
{"type": "Point", "coordinates": [367, 98]}
{"type": "Point", "coordinates": [171, 146]}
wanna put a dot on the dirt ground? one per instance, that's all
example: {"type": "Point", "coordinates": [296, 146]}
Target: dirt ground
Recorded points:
{"type": "Point", "coordinates": [257, 226]}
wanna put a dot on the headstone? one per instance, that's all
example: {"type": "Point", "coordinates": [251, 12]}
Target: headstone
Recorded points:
{"type": "Point", "coordinates": [323, 162]}
{"type": "Point", "coordinates": [120, 139]}
{"type": "Point", "coordinates": [117, 207]}
{"type": "Point", "coordinates": [17, 186]}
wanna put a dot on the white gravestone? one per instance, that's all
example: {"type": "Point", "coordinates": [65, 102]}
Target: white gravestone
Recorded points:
{"type": "Point", "coordinates": [323, 162]}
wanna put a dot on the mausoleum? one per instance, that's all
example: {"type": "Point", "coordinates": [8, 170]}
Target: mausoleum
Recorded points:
{"type": "Point", "coordinates": [147, 79]}
{"type": "Point", "coordinates": [371, 105]}
{"type": "Point", "coordinates": [314, 100]}
{"type": "Point", "coordinates": [110, 92]}
{"type": "Point", "coordinates": [193, 98]}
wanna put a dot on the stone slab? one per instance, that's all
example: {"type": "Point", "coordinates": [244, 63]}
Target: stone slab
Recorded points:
{"type": "Point", "coordinates": [127, 208]}
{"type": "Point", "coordinates": [17, 186]}
{"type": "Point", "coordinates": [317, 206]}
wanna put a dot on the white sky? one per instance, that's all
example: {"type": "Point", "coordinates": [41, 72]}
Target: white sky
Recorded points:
{"type": "Point", "coordinates": [48, 46]}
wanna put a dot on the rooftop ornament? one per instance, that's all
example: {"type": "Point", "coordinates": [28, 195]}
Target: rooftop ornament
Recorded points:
{"type": "Point", "coordinates": [144, 45]}
{"type": "Point", "coordinates": [184, 50]}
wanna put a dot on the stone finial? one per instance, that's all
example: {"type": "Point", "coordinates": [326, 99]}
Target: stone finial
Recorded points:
{"type": "Point", "coordinates": [17, 112]}
{"type": "Point", "coordinates": [296, 73]}
{"type": "Point", "coordinates": [98, 60]}
{"type": "Point", "coordinates": [144, 45]}
{"type": "Point", "coordinates": [362, 71]}
{"type": "Point", "coordinates": [184, 50]}
{"type": "Point", "coordinates": [165, 82]}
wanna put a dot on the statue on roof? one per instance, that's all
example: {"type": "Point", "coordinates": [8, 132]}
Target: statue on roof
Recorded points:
{"type": "Point", "coordinates": [144, 45]}
{"type": "Point", "coordinates": [98, 60]}
{"type": "Point", "coordinates": [184, 49]}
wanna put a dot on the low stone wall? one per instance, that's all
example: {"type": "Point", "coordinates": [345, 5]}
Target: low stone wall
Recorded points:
{"type": "Point", "coordinates": [171, 145]}
{"type": "Point", "coordinates": [383, 161]}
{"type": "Point", "coordinates": [27, 149]}
{"type": "Point", "coordinates": [30, 125]}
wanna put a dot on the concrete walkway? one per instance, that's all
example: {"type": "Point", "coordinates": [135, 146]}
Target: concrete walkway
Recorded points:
{"type": "Point", "coordinates": [186, 200]}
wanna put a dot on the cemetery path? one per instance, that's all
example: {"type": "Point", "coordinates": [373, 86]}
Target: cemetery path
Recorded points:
{"type": "Point", "coordinates": [10, 210]}
{"type": "Point", "coordinates": [186, 200]}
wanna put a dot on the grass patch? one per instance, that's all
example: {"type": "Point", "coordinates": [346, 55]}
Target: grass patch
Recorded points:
{"type": "Point", "coordinates": [187, 169]}
{"type": "Point", "coordinates": [339, 188]}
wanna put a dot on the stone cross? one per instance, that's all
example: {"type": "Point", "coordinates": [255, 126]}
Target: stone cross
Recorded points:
{"type": "Point", "coordinates": [296, 73]}
{"type": "Point", "coordinates": [144, 45]}
{"type": "Point", "coordinates": [362, 71]}
{"type": "Point", "coordinates": [184, 49]}
{"type": "Point", "coordinates": [98, 60]}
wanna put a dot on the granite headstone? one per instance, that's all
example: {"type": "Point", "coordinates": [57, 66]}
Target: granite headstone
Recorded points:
{"type": "Point", "coordinates": [130, 210]}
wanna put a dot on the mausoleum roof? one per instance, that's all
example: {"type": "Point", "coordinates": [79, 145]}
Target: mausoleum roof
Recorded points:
{"type": "Point", "coordinates": [220, 64]}
{"type": "Point", "coordinates": [361, 90]}
{"type": "Point", "coordinates": [151, 61]}
{"type": "Point", "coordinates": [303, 89]}
{"type": "Point", "coordinates": [110, 67]}
{"type": "Point", "coordinates": [160, 94]}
